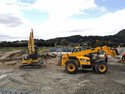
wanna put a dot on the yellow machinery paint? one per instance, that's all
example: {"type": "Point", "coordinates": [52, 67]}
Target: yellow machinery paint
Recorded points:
{"type": "Point", "coordinates": [32, 57]}
{"type": "Point", "coordinates": [77, 49]}
{"type": "Point", "coordinates": [30, 61]}
{"type": "Point", "coordinates": [79, 59]}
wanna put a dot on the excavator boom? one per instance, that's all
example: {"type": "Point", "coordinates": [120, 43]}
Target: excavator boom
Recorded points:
{"type": "Point", "coordinates": [31, 43]}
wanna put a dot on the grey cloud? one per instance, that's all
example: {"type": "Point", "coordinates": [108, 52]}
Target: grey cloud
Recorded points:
{"type": "Point", "coordinates": [76, 31]}
{"type": "Point", "coordinates": [7, 37]}
{"type": "Point", "coordinates": [82, 30]}
{"type": "Point", "coordinates": [10, 20]}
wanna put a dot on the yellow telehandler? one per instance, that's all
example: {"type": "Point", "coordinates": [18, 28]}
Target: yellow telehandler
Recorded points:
{"type": "Point", "coordinates": [84, 59]}
{"type": "Point", "coordinates": [31, 59]}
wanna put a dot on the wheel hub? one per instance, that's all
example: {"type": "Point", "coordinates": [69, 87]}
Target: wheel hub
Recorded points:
{"type": "Point", "coordinates": [71, 67]}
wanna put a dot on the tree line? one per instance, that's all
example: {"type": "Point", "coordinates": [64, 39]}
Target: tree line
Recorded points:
{"type": "Point", "coordinates": [63, 42]}
{"type": "Point", "coordinates": [25, 44]}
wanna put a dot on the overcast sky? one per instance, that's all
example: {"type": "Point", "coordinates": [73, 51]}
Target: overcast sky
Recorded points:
{"type": "Point", "coordinates": [59, 18]}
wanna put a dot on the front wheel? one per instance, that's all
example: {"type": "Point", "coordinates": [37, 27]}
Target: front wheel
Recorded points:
{"type": "Point", "coordinates": [101, 68]}
{"type": "Point", "coordinates": [71, 67]}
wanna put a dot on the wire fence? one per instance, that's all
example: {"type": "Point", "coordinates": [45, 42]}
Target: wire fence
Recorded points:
{"type": "Point", "coordinates": [62, 49]}
{"type": "Point", "coordinates": [5, 91]}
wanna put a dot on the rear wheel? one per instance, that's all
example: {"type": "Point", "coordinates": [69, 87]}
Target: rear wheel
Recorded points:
{"type": "Point", "coordinates": [93, 68]}
{"type": "Point", "coordinates": [101, 68]}
{"type": "Point", "coordinates": [71, 67]}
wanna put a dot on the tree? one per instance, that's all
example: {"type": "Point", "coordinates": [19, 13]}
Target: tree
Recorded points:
{"type": "Point", "coordinates": [123, 44]}
{"type": "Point", "coordinates": [64, 42]}
{"type": "Point", "coordinates": [72, 45]}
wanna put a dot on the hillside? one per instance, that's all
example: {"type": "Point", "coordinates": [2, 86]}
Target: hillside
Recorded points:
{"type": "Point", "coordinates": [74, 38]}
{"type": "Point", "coordinates": [117, 38]}
{"type": "Point", "coordinates": [121, 33]}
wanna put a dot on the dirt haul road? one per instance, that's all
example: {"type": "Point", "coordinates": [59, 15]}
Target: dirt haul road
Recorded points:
{"type": "Point", "coordinates": [53, 79]}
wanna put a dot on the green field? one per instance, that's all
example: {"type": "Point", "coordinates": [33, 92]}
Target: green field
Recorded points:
{"type": "Point", "coordinates": [7, 49]}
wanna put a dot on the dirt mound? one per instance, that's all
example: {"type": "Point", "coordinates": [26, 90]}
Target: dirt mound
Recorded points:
{"type": "Point", "coordinates": [13, 54]}
{"type": "Point", "coordinates": [13, 59]}
{"type": "Point", "coordinates": [52, 61]}
{"type": "Point", "coordinates": [10, 64]}
{"type": "Point", "coordinates": [121, 61]}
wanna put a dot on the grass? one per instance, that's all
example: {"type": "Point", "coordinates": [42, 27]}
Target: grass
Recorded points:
{"type": "Point", "coordinates": [8, 49]}
{"type": "Point", "coordinates": [43, 49]}
{"type": "Point", "coordinates": [10, 59]}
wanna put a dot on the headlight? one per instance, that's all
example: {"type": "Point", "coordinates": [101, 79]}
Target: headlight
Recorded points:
{"type": "Point", "coordinates": [83, 60]}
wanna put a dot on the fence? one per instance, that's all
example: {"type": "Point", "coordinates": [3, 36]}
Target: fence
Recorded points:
{"type": "Point", "coordinates": [62, 49]}
{"type": "Point", "coordinates": [5, 91]}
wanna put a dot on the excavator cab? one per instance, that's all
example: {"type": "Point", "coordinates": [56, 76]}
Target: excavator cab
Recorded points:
{"type": "Point", "coordinates": [35, 48]}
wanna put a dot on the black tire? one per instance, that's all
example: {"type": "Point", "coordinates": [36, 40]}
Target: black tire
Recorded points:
{"type": "Point", "coordinates": [93, 68]}
{"type": "Point", "coordinates": [21, 66]}
{"type": "Point", "coordinates": [40, 66]}
{"type": "Point", "coordinates": [101, 68]}
{"type": "Point", "coordinates": [71, 67]}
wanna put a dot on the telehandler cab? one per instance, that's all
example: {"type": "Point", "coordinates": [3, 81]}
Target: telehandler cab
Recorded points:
{"type": "Point", "coordinates": [84, 59]}
{"type": "Point", "coordinates": [31, 59]}
{"type": "Point", "coordinates": [78, 48]}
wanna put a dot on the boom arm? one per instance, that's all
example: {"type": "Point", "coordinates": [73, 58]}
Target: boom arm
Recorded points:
{"type": "Point", "coordinates": [108, 51]}
{"type": "Point", "coordinates": [31, 42]}
{"type": "Point", "coordinates": [97, 49]}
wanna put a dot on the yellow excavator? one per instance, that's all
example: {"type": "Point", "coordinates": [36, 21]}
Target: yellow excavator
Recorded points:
{"type": "Point", "coordinates": [31, 59]}
{"type": "Point", "coordinates": [84, 59]}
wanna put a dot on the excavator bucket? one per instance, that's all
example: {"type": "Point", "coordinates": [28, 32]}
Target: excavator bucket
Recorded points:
{"type": "Point", "coordinates": [108, 51]}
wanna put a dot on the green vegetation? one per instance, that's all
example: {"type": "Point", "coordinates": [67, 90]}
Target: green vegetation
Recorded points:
{"type": "Point", "coordinates": [64, 42]}
{"type": "Point", "coordinates": [43, 49]}
{"type": "Point", "coordinates": [96, 43]}
{"type": "Point", "coordinates": [25, 43]}
{"type": "Point", "coordinates": [7, 49]}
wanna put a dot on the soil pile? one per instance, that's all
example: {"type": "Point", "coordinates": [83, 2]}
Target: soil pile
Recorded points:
{"type": "Point", "coordinates": [121, 61]}
{"type": "Point", "coordinates": [11, 59]}
{"type": "Point", "coordinates": [12, 54]}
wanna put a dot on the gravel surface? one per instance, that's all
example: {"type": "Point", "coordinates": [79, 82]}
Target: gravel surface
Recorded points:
{"type": "Point", "coordinates": [53, 79]}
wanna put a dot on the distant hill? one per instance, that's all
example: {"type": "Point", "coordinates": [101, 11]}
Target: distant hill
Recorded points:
{"type": "Point", "coordinates": [73, 39]}
{"type": "Point", "coordinates": [121, 33]}
{"type": "Point", "coordinates": [117, 38]}
{"type": "Point", "coordinates": [93, 41]}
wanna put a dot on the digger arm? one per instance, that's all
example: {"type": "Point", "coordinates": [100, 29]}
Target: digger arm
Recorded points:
{"type": "Point", "coordinates": [31, 42]}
